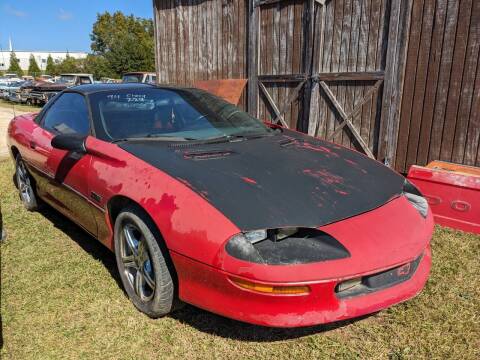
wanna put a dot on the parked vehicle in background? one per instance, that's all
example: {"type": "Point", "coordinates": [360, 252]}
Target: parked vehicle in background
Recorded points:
{"type": "Point", "coordinates": [7, 89]}
{"type": "Point", "coordinates": [44, 91]}
{"type": "Point", "coordinates": [140, 77]}
{"type": "Point", "coordinates": [3, 86]}
{"type": "Point", "coordinates": [47, 78]}
{"type": "Point", "coordinates": [105, 80]}
{"type": "Point", "coordinates": [11, 77]}
{"type": "Point", "coordinates": [10, 93]}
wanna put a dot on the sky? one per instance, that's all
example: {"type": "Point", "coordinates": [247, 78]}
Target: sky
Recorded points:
{"type": "Point", "coordinates": [58, 25]}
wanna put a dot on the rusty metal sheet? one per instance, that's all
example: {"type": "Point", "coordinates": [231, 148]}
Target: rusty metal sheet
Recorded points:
{"type": "Point", "coordinates": [461, 169]}
{"type": "Point", "coordinates": [453, 192]}
{"type": "Point", "coordinates": [228, 89]}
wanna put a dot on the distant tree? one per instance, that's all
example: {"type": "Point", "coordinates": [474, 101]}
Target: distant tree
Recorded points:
{"type": "Point", "coordinates": [126, 43]}
{"type": "Point", "coordinates": [98, 66]}
{"type": "Point", "coordinates": [33, 68]}
{"type": "Point", "coordinates": [15, 65]}
{"type": "Point", "coordinates": [51, 68]}
{"type": "Point", "coordinates": [68, 65]}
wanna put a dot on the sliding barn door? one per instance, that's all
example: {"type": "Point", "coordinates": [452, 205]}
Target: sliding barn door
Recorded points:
{"type": "Point", "coordinates": [332, 68]}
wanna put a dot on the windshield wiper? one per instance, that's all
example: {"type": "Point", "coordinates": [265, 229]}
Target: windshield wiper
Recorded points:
{"type": "Point", "coordinates": [152, 137]}
{"type": "Point", "coordinates": [235, 137]}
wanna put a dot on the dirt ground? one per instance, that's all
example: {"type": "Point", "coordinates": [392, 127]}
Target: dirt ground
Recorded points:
{"type": "Point", "coordinates": [6, 115]}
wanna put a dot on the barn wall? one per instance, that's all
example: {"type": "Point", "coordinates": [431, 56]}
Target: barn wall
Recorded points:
{"type": "Point", "coordinates": [440, 100]}
{"type": "Point", "coordinates": [200, 40]}
{"type": "Point", "coordinates": [440, 116]}
{"type": "Point", "coordinates": [354, 40]}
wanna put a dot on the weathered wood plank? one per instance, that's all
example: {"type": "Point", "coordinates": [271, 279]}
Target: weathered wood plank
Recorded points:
{"type": "Point", "coordinates": [467, 88]}
{"type": "Point", "coordinates": [454, 90]}
{"type": "Point", "coordinates": [472, 143]}
{"type": "Point", "coordinates": [362, 65]}
{"type": "Point", "coordinates": [394, 80]}
{"type": "Point", "coordinates": [277, 78]}
{"type": "Point", "coordinates": [335, 60]}
{"type": "Point", "coordinates": [252, 58]}
{"type": "Point", "coordinates": [432, 81]}
{"type": "Point", "coordinates": [318, 43]}
{"type": "Point", "coordinates": [420, 83]}
{"type": "Point", "coordinates": [344, 116]}
{"type": "Point", "coordinates": [272, 104]}
{"type": "Point", "coordinates": [369, 112]}
{"type": "Point", "coordinates": [358, 107]}
{"type": "Point", "coordinates": [351, 76]}
{"type": "Point", "coordinates": [343, 89]}
{"type": "Point", "coordinates": [444, 79]}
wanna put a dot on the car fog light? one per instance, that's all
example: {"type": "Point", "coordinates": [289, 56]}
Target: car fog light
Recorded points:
{"type": "Point", "coordinates": [349, 284]}
{"type": "Point", "coordinates": [269, 289]}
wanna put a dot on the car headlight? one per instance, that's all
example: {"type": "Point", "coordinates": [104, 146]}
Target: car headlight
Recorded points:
{"type": "Point", "coordinates": [415, 197]}
{"type": "Point", "coordinates": [285, 246]}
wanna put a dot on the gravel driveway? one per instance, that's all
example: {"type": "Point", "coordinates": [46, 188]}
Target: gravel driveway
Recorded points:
{"type": "Point", "coordinates": [6, 115]}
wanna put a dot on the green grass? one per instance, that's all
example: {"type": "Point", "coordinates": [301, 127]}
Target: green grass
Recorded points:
{"type": "Point", "coordinates": [61, 299]}
{"type": "Point", "coordinates": [19, 107]}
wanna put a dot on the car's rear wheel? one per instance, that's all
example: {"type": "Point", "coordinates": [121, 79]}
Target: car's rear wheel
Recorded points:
{"type": "Point", "coordinates": [25, 185]}
{"type": "Point", "coordinates": [142, 265]}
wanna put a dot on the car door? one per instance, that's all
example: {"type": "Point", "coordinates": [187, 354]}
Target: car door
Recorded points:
{"type": "Point", "coordinates": [63, 178]}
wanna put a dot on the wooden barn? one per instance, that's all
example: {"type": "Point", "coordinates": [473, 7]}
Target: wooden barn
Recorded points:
{"type": "Point", "coordinates": [396, 79]}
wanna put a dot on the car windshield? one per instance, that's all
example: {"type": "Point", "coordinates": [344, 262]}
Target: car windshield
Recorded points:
{"type": "Point", "coordinates": [175, 114]}
{"type": "Point", "coordinates": [66, 79]}
{"type": "Point", "coordinates": [132, 78]}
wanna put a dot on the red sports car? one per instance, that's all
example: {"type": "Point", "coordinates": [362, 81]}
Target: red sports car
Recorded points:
{"type": "Point", "coordinates": [204, 204]}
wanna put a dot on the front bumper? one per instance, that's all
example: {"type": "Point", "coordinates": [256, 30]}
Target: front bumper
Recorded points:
{"type": "Point", "coordinates": [211, 289]}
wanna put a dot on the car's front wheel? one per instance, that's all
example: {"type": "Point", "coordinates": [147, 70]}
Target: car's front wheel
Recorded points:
{"type": "Point", "coordinates": [141, 263]}
{"type": "Point", "coordinates": [25, 185]}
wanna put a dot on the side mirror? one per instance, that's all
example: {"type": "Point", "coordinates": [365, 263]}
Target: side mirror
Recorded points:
{"type": "Point", "coordinates": [74, 143]}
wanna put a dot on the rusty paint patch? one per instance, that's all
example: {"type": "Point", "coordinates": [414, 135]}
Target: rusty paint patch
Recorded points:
{"type": "Point", "coordinates": [249, 180]}
{"type": "Point", "coordinates": [318, 148]}
{"type": "Point", "coordinates": [324, 176]}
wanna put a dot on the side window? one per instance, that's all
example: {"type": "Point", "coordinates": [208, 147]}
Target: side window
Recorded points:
{"type": "Point", "coordinates": [84, 80]}
{"type": "Point", "coordinates": [68, 115]}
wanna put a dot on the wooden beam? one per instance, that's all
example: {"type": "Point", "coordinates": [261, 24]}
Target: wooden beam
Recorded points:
{"type": "Point", "coordinates": [345, 118]}
{"type": "Point", "coordinates": [400, 14]}
{"type": "Point", "coordinates": [293, 95]}
{"type": "Point", "coordinates": [277, 112]}
{"type": "Point", "coordinates": [319, 39]}
{"type": "Point", "coordinates": [358, 107]}
{"type": "Point", "coordinates": [351, 76]}
{"type": "Point", "coordinates": [309, 20]}
{"type": "Point", "coordinates": [266, 2]}
{"type": "Point", "coordinates": [252, 53]}
{"type": "Point", "coordinates": [282, 78]}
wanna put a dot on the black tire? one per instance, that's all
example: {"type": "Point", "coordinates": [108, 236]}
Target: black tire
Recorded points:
{"type": "Point", "coordinates": [26, 185]}
{"type": "Point", "coordinates": [134, 267]}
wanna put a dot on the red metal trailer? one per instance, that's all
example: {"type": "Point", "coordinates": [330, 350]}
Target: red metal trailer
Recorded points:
{"type": "Point", "coordinates": [453, 192]}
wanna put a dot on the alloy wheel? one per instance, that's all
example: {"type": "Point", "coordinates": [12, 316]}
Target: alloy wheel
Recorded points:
{"type": "Point", "coordinates": [24, 183]}
{"type": "Point", "coordinates": [137, 263]}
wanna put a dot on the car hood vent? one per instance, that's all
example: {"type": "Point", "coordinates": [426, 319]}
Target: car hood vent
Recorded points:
{"type": "Point", "coordinates": [287, 141]}
{"type": "Point", "coordinates": [206, 154]}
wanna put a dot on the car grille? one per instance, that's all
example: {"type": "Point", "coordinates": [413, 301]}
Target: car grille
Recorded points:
{"type": "Point", "coordinates": [379, 281]}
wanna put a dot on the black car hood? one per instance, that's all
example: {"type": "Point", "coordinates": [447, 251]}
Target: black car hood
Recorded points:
{"type": "Point", "coordinates": [283, 180]}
